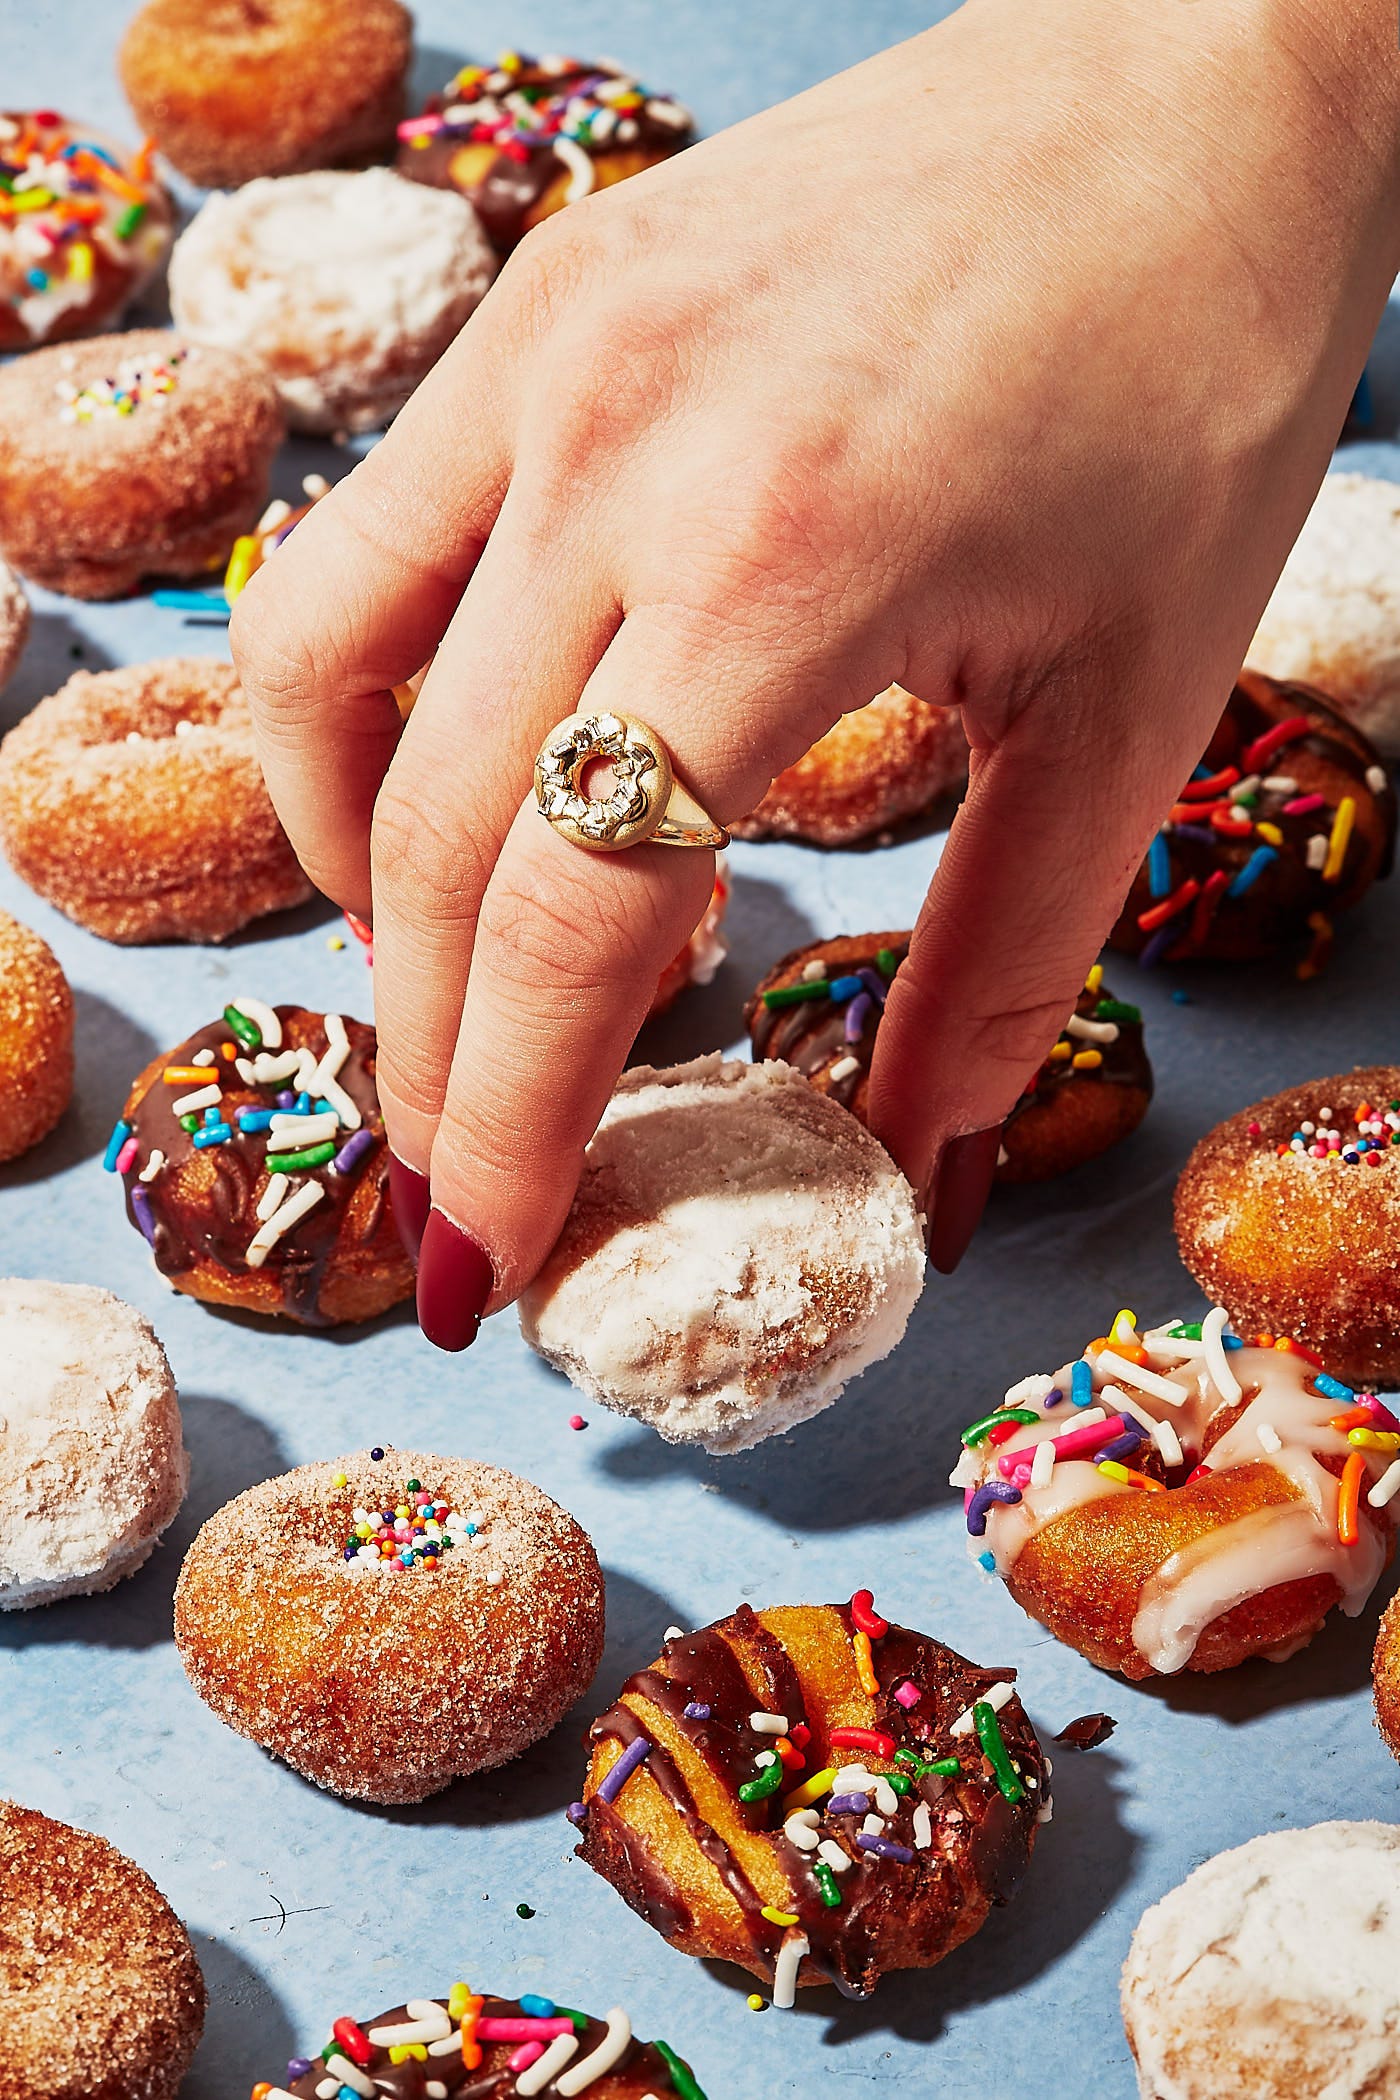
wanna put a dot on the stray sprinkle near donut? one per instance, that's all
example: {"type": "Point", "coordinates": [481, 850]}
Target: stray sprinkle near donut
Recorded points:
{"type": "Point", "coordinates": [815, 1794]}
{"type": "Point", "coordinates": [1180, 1499]}
{"type": "Point", "coordinates": [469, 2045]}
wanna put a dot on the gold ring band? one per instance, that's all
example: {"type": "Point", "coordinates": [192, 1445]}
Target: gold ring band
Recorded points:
{"type": "Point", "coordinates": [645, 804]}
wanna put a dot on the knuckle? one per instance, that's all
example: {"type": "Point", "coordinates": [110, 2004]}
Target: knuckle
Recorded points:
{"type": "Point", "coordinates": [546, 946]}
{"type": "Point", "coordinates": [421, 852]}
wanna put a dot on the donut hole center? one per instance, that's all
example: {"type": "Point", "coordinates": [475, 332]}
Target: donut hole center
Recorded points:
{"type": "Point", "coordinates": [597, 779]}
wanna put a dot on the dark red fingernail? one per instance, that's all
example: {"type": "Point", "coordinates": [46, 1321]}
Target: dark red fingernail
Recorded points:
{"type": "Point", "coordinates": [409, 1200]}
{"type": "Point", "coordinates": [455, 1279]}
{"type": "Point", "coordinates": [961, 1186]}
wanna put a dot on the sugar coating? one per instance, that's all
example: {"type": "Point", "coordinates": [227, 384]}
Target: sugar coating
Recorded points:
{"type": "Point", "coordinates": [1272, 1969]}
{"type": "Point", "coordinates": [738, 1249]}
{"type": "Point", "coordinates": [14, 622]}
{"type": "Point", "coordinates": [347, 287]}
{"type": "Point", "coordinates": [36, 1038]}
{"type": "Point", "coordinates": [876, 766]}
{"type": "Point", "coordinates": [94, 1466]}
{"type": "Point", "coordinates": [1334, 618]}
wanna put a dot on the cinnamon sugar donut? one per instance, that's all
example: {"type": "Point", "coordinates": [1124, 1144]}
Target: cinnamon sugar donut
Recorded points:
{"type": "Point", "coordinates": [14, 623]}
{"type": "Point", "coordinates": [36, 1038]}
{"type": "Point", "coordinates": [234, 91]}
{"type": "Point", "coordinates": [346, 288]}
{"type": "Point", "coordinates": [473, 2043]}
{"type": "Point", "coordinates": [1289, 1214]}
{"type": "Point", "coordinates": [1177, 1499]}
{"type": "Point", "coordinates": [101, 1997]}
{"type": "Point", "coordinates": [738, 1249]}
{"type": "Point", "coordinates": [255, 1166]}
{"type": "Point", "coordinates": [814, 1794]}
{"type": "Point", "coordinates": [129, 456]}
{"type": "Point", "coordinates": [820, 1009]}
{"type": "Point", "coordinates": [523, 138]}
{"type": "Point", "coordinates": [1289, 819]}
{"type": "Point", "coordinates": [391, 1621]}
{"type": "Point", "coordinates": [1385, 1666]}
{"type": "Point", "coordinates": [876, 767]}
{"type": "Point", "coordinates": [84, 226]}
{"type": "Point", "coordinates": [133, 800]}
{"type": "Point", "coordinates": [702, 954]}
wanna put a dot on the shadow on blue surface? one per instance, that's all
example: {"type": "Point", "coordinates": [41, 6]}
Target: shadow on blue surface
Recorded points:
{"type": "Point", "coordinates": [241, 2005]}
{"type": "Point", "coordinates": [109, 1050]}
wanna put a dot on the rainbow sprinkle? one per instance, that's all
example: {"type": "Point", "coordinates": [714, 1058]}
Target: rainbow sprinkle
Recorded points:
{"type": "Point", "coordinates": [410, 1534]}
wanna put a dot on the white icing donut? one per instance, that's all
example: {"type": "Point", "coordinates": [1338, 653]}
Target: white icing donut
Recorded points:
{"type": "Point", "coordinates": [1173, 1399]}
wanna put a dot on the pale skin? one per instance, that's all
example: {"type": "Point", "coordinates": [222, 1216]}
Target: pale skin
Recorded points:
{"type": "Point", "coordinates": [1006, 366]}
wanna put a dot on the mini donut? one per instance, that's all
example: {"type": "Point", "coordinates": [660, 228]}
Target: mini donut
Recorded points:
{"type": "Point", "coordinates": [101, 1997]}
{"type": "Point", "coordinates": [1271, 1971]}
{"type": "Point", "coordinates": [346, 288]}
{"type": "Point", "coordinates": [700, 958]}
{"type": "Point", "coordinates": [1334, 618]}
{"type": "Point", "coordinates": [527, 136]}
{"type": "Point", "coordinates": [99, 232]}
{"type": "Point", "coordinates": [820, 1010]}
{"type": "Point", "coordinates": [1203, 1499]}
{"type": "Point", "coordinates": [130, 456]}
{"type": "Point", "coordinates": [14, 623]}
{"type": "Point", "coordinates": [475, 2045]}
{"type": "Point", "coordinates": [815, 1794]}
{"type": "Point", "coordinates": [36, 1039]}
{"type": "Point", "coordinates": [1289, 819]}
{"type": "Point", "coordinates": [1288, 1213]}
{"type": "Point", "coordinates": [876, 767]}
{"type": "Point", "coordinates": [235, 91]}
{"type": "Point", "coordinates": [133, 801]}
{"type": "Point", "coordinates": [1385, 1667]}
{"type": "Point", "coordinates": [94, 1463]}
{"type": "Point", "coordinates": [382, 1637]}
{"type": "Point", "coordinates": [254, 1164]}
{"type": "Point", "coordinates": [738, 1249]}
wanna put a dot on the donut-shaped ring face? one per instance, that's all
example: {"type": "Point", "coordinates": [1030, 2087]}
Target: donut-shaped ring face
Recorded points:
{"type": "Point", "coordinates": [639, 787]}
{"type": "Point", "coordinates": [391, 1621]}
{"type": "Point", "coordinates": [1178, 1498]}
{"type": "Point", "coordinates": [813, 1793]}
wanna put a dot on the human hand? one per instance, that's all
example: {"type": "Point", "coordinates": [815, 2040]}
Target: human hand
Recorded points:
{"type": "Point", "coordinates": [1004, 366]}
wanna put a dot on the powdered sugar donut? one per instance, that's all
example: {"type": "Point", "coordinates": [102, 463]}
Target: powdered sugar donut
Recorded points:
{"type": "Point", "coordinates": [133, 800]}
{"type": "Point", "coordinates": [128, 456]}
{"type": "Point", "coordinates": [1334, 618]}
{"type": "Point", "coordinates": [36, 1038]}
{"type": "Point", "coordinates": [738, 1249]}
{"type": "Point", "coordinates": [94, 1466]}
{"type": "Point", "coordinates": [391, 1621]}
{"type": "Point", "coordinates": [347, 287]}
{"type": "Point", "coordinates": [1271, 1970]}
{"type": "Point", "coordinates": [14, 622]}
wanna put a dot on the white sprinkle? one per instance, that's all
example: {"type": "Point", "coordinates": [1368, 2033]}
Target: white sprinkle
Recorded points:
{"type": "Point", "coordinates": [1138, 1375]}
{"type": "Point", "coordinates": [267, 1070]}
{"type": "Point", "coordinates": [1250, 785]}
{"type": "Point", "coordinates": [1043, 1464]}
{"type": "Point", "coordinates": [1223, 1378]}
{"type": "Point", "coordinates": [133, 736]}
{"type": "Point", "coordinates": [813, 972]}
{"type": "Point", "coordinates": [609, 2051]}
{"type": "Point", "coordinates": [425, 2009]}
{"type": "Point", "coordinates": [1280, 784]}
{"type": "Point", "coordinates": [800, 1830]}
{"type": "Point", "coordinates": [435, 2027]}
{"type": "Point", "coordinates": [1168, 1443]}
{"type": "Point", "coordinates": [672, 113]}
{"type": "Point", "coordinates": [263, 1018]}
{"type": "Point", "coordinates": [202, 1097]}
{"type": "Point", "coordinates": [886, 1799]}
{"type": "Point", "coordinates": [277, 1187]}
{"type": "Point", "coordinates": [277, 513]}
{"type": "Point", "coordinates": [1377, 779]}
{"type": "Point", "coordinates": [434, 2087]}
{"type": "Point", "coordinates": [923, 1827]}
{"type": "Point", "coordinates": [203, 1057]}
{"type": "Point", "coordinates": [1317, 850]}
{"type": "Point", "coordinates": [852, 1779]}
{"type": "Point", "coordinates": [153, 1166]}
{"type": "Point", "coordinates": [1045, 1813]}
{"type": "Point", "coordinates": [281, 1221]}
{"type": "Point", "coordinates": [674, 1633]}
{"type": "Point", "coordinates": [1386, 1488]}
{"type": "Point", "coordinates": [582, 173]}
{"type": "Point", "coordinates": [844, 1068]}
{"type": "Point", "coordinates": [873, 1826]}
{"type": "Point", "coordinates": [995, 1696]}
{"type": "Point", "coordinates": [326, 2090]}
{"type": "Point", "coordinates": [1002, 1155]}
{"type": "Point", "coordinates": [546, 2067]}
{"type": "Point", "coordinates": [294, 1133]}
{"type": "Point", "coordinates": [494, 1578]}
{"type": "Point", "coordinates": [1269, 1437]}
{"type": "Point", "coordinates": [1324, 1115]}
{"type": "Point", "coordinates": [835, 1856]}
{"type": "Point", "coordinates": [349, 2074]}
{"type": "Point", "coordinates": [183, 728]}
{"type": "Point", "coordinates": [1029, 1392]}
{"type": "Point", "coordinates": [1092, 1031]}
{"type": "Point", "coordinates": [791, 1955]}
{"type": "Point", "coordinates": [768, 1724]}
{"type": "Point", "coordinates": [315, 486]}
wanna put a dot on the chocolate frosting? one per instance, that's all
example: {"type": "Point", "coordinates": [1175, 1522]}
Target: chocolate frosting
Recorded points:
{"type": "Point", "coordinates": [201, 1204]}
{"type": "Point", "coordinates": [1123, 1062]}
{"type": "Point", "coordinates": [970, 1815]}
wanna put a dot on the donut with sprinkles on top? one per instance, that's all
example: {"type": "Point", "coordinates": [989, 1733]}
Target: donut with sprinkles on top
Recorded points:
{"type": "Point", "coordinates": [1288, 819]}
{"type": "Point", "coordinates": [820, 1008]}
{"type": "Point", "coordinates": [472, 2046]}
{"type": "Point", "coordinates": [1179, 1498]}
{"type": "Point", "coordinates": [815, 1794]}
{"type": "Point", "coordinates": [254, 1164]}
{"type": "Point", "coordinates": [878, 766]}
{"type": "Point", "coordinates": [84, 226]}
{"type": "Point", "coordinates": [1289, 1213]}
{"type": "Point", "coordinates": [527, 136]}
{"type": "Point", "coordinates": [391, 1621]}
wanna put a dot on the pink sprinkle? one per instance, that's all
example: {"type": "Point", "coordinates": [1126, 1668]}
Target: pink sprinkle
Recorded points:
{"type": "Point", "coordinates": [527, 2054]}
{"type": "Point", "coordinates": [1376, 1409]}
{"type": "Point", "coordinates": [1076, 1443]}
{"type": "Point", "coordinates": [1256, 1130]}
{"type": "Point", "coordinates": [126, 1158]}
{"type": "Point", "coordinates": [577, 1422]}
{"type": "Point", "coordinates": [1303, 805]}
{"type": "Point", "coordinates": [521, 2029]}
{"type": "Point", "coordinates": [907, 1695]}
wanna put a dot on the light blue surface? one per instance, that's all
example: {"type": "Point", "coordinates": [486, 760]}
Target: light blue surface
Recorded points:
{"type": "Point", "coordinates": [96, 1721]}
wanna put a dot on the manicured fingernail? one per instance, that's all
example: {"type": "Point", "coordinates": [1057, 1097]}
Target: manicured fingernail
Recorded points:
{"type": "Point", "coordinates": [455, 1279]}
{"type": "Point", "coordinates": [961, 1187]}
{"type": "Point", "coordinates": [409, 1200]}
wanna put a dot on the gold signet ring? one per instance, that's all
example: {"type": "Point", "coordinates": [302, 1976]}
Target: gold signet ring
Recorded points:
{"type": "Point", "coordinates": [644, 801]}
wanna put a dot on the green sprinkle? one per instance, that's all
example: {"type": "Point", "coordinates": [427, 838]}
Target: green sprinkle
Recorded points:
{"type": "Point", "coordinates": [682, 2077]}
{"type": "Point", "coordinates": [569, 2012]}
{"type": "Point", "coordinates": [946, 1767]}
{"type": "Point", "coordinates": [826, 1885]}
{"type": "Point", "coordinates": [413, 1486]}
{"type": "Point", "coordinates": [1116, 1010]}
{"type": "Point", "coordinates": [523, 1910]}
{"type": "Point", "coordinates": [886, 961]}
{"type": "Point", "coordinates": [795, 994]}
{"type": "Point", "coordinates": [989, 1735]}
{"type": "Point", "coordinates": [129, 221]}
{"type": "Point", "coordinates": [767, 1782]}
{"type": "Point", "coordinates": [190, 1123]}
{"type": "Point", "coordinates": [248, 1032]}
{"type": "Point", "coordinates": [899, 1782]}
{"type": "Point", "coordinates": [913, 1760]}
{"type": "Point", "coordinates": [301, 1162]}
{"type": "Point", "coordinates": [983, 1428]}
